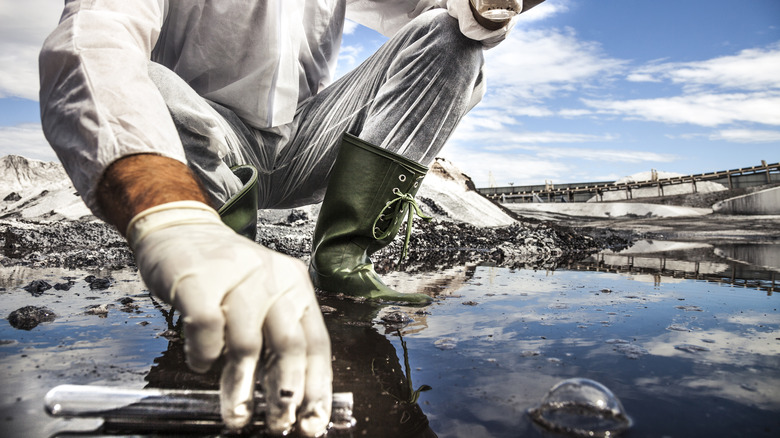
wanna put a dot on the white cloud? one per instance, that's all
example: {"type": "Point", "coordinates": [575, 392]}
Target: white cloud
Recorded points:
{"type": "Point", "coordinates": [349, 58]}
{"type": "Point", "coordinates": [705, 109]}
{"type": "Point", "coordinates": [350, 27]}
{"type": "Point", "coordinates": [571, 112]}
{"type": "Point", "coordinates": [606, 155]}
{"type": "Point", "coordinates": [746, 136]}
{"type": "Point", "coordinates": [26, 140]}
{"type": "Point", "coordinates": [752, 76]}
{"type": "Point", "coordinates": [520, 140]}
{"type": "Point", "coordinates": [23, 27]}
{"type": "Point", "coordinates": [544, 11]}
{"type": "Point", "coordinates": [753, 69]}
{"type": "Point", "coordinates": [517, 168]}
{"type": "Point", "coordinates": [536, 64]}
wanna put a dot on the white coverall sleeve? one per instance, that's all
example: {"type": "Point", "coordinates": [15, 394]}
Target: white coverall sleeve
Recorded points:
{"type": "Point", "coordinates": [388, 16]}
{"type": "Point", "coordinates": [97, 101]}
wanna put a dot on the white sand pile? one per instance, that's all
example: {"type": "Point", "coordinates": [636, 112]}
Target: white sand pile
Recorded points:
{"type": "Point", "coordinates": [650, 192]}
{"type": "Point", "coordinates": [40, 191]}
{"type": "Point", "coordinates": [453, 192]}
{"type": "Point", "coordinates": [32, 189]}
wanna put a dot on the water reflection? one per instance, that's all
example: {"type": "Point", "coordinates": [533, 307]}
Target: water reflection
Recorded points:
{"type": "Point", "coordinates": [751, 265]}
{"type": "Point", "coordinates": [366, 364]}
{"type": "Point", "coordinates": [686, 357]}
{"type": "Point", "coordinates": [142, 348]}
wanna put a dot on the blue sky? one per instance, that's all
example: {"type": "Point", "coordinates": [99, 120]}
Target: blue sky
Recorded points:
{"type": "Point", "coordinates": [580, 91]}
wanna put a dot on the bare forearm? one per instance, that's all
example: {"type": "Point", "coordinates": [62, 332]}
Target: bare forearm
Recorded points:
{"type": "Point", "coordinates": [138, 182]}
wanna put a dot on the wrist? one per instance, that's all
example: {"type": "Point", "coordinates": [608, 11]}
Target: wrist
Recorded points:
{"type": "Point", "coordinates": [169, 215]}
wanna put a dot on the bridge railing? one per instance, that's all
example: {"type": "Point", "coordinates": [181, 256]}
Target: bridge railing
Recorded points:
{"type": "Point", "coordinates": [581, 192]}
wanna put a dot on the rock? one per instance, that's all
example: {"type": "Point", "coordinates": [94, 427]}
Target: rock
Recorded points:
{"type": "Point", "coordinates": [297, 216]}
{"type": "Point", "coordinates": [12, 197]}
{"type": "Point", "coordinates": [64, 286]}
{"type": "Point", "coordinates": [28, 317]}
{"type": "Point", "coordinates": [396, 319]}
{"type": "Point", "coordinates": [37, 287]}
{"type": "Point", "coordinates": [100, 283]}
{"type": "Point", "coordinates": [100, 310]}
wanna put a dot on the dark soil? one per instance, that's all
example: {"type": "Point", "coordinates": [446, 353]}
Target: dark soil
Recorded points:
{"type": "Point", "coordinates": [433, 245]}
{"type": "Point", "coordinates": [69, 244]}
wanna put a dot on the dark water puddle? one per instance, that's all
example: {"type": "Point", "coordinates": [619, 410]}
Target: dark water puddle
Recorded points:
{"type": "Point", "coordinates": [686, 357]}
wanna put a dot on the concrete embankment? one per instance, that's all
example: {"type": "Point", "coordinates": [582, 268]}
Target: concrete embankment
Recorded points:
{"type": "Point", "coordinates": [762, 202]}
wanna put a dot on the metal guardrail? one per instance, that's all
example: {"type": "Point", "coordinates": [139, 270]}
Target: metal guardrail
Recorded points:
{"type": "Point", "coordinates": [581, 192]}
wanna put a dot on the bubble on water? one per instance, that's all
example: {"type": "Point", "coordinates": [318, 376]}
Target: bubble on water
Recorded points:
{"type": "Point", "coordinates": [581, 407]}
{"type": "Point", "coordinates": [445, 343]}
{"type": "Point", "coordinates": [689, 308]}
{"type": "Point", "coordinates": [678, 328]}
{"type": "Point", "coordinates": [631, 351]}
{"type": "Point", "coordinates": [617, 341]}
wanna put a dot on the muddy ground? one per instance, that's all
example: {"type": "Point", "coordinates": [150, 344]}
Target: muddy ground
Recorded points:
{"type": "Point", "coordinates": [29, 251]}
{"type": "Point", "coordinates": [434, 245]}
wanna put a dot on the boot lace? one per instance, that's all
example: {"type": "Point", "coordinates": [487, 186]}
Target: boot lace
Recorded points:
{"type": "Point", "coordinates": [405, 200]}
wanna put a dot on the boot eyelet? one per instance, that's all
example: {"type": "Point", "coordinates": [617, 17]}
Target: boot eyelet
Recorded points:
{"type": "Point", "coordinates": [402, 177]}
{"type": "Point", "coordinates": [416, 183]}
{"type": "Point", "coordinates": [396, 191]}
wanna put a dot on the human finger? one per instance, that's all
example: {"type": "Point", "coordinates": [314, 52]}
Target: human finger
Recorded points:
{"type": "Point", "coordinates": [203, 327]}
{"type": "Point", "coordinates": [243, 344]}
{"type": "Point", "coordinates": [314, 415]}
{"type": "Point", "coordinates": [284, 368]}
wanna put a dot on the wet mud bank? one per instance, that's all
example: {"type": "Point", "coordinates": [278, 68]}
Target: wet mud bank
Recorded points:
{"type": "Point", "coordinates": [433, 245]}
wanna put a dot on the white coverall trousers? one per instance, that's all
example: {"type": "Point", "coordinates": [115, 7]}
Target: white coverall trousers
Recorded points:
{"type": "Point", "coordinates": [408, 98]}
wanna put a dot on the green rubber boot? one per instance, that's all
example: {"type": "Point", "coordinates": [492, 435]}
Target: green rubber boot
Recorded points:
{"type": "Point", "coordinates": [240, 211]}
{"type": "Point", "coordinates": [369, 192]}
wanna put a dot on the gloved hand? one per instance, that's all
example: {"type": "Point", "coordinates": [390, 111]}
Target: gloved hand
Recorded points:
{"type": "Point", "coordinates": [461, 10]}
{"type": "Point", "coordinates": [238, 297]}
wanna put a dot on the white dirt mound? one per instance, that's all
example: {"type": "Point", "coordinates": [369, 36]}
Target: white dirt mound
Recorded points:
{"type": "Point", "coordinates": [453, 192]}
{"type": "Point", "coordinates": [38, 190]}
{"type": "Point", "coordinates": [41, 191]}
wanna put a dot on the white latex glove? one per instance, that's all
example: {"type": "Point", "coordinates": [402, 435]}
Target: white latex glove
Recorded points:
{"type": "Point", "coordinates": [461, 10]}
{"type": "Point", "coordinates": [238, 297]}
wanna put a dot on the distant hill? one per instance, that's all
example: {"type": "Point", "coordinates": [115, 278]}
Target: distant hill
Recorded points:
{"type": "Point", "coordinates": [19, 173]}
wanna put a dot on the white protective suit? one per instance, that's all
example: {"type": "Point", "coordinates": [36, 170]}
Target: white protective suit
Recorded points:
{"type": "Point", "coordinates": [215, 83]}
{"type": "Point", "coordinates": [258, 59]}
